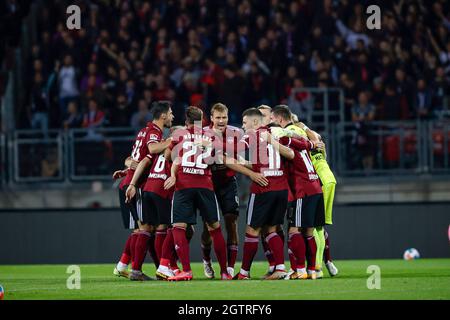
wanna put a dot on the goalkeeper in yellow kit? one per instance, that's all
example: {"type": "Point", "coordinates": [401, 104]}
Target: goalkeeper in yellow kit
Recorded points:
{"type": "Point", "coordinates": [328, 187]}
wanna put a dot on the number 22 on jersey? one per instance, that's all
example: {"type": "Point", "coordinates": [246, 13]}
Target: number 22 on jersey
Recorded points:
{"type": "Point", "coordinates": [191, 150]}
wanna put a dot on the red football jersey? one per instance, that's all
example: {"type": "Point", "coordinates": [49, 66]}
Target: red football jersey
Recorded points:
{"type": "Point", "coordinates": [159, 172]}
{"type": "Point", "coordinates": [303, 178]}
{"type": "Point", "coordinates": [221, 174]}
{"type": "Point", "coordinates": [194, 170]}
{"type": "Point", "coordinates": [265, 160]}
{"type": "Point", "coordinates": [150, 134]}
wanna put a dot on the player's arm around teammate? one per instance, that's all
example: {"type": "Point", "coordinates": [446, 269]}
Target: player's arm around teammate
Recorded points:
{"type": "Point", "coordinates": [140, 169]}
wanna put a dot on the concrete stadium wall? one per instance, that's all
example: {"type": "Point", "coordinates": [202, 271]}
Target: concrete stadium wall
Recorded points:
{"type": "Point", "coordinates": [96, 236]}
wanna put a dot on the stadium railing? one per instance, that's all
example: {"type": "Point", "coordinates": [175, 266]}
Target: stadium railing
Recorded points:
{"type": "Point", "coordinates": [438, 146]}
{"type": "Point", "coordinates": [378, 148]}
{"type": "Point", "coordinates": [36, 156]}
{"type": "Point", "coordinates": [95, 153]}
{"type": "Point", "coordinates": [320, 106]}
{"type": "Point", "coordinates": [391, 148]}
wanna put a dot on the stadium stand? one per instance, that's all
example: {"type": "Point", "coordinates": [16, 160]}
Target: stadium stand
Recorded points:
{"type": "Point", "coordinates": [247, 53]}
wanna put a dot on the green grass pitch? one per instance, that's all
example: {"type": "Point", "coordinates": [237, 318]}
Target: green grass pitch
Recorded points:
{"type": "Point", "coordinates": [418, 279]}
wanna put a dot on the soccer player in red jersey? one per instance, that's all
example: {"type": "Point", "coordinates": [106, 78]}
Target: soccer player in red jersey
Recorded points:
{"type": "Point", "coordinates": [193, 151]}
{"type": "Point", "coordinates": [267, 205]}
{"type": "Point", "coordinates": [191, 176]}
{"type": "Point", "coordinates": [267, 112]}
{"type": "Point", "coordinates": [156, 204]}
{"type": "Point", "coordinates": [308, 211]}
{"type": "Point", "coordinates": [148, 141]}
{"type": "Point", "coordinates": [225, 188]}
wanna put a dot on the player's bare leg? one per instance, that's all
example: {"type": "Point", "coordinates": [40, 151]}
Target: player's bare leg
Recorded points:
{"type": "Point", "coordinates": [249, 252]}
{"type": "Point", "coordinates": [276, 246]}
{"type": "Point", "coordinates": [311, 251]}
{"type": "Point", "coordinates": [220, 248]}
{"type": "Point", "coordinates": [206, 244]}
{"type": "Point", "coordinates": [232, 240]}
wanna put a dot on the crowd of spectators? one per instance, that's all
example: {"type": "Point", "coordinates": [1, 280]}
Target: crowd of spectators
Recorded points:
{"type": "Point", "coordinates": [241, 53]}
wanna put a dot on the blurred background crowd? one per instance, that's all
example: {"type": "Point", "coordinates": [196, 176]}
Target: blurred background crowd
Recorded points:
{"type": "Point", "coordinates": [241, 53]}
{"type": "Point", "coordinates": [129, 53]}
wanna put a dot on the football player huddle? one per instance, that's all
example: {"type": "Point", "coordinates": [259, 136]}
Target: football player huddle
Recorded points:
{"type": "Point", "coordinates": [167, 182]}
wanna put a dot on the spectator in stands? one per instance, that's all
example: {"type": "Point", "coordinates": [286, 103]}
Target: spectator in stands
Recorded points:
{"type": "Point", "coordinates": [405, 91]}
{"type": "Point", "coordinates": [50, 165]}
{"type": "Point", "coordinates": [441, 90]}
{"type": "Point", "coordinates": [119, 115]}
{"type": "Point", "coordinates": [350, 94]}
{"type": "Point", "coordinates": [74, 118]}
{"type": "Point", "coordinates": [91, 74]}
{"type": "Point", "coordinates": [39, 104]}
{"type": "Point", "coordinates": [233, 93]}
{"type": "Point", "coordinates": [257, 86]}
{"type": "Point", "coordinates": [94, 117]}
{"type": "Point", "coordinates": [363, 111]}
{"type": "Point", "coordinates": [68, 89]}
{"type": "Point", "coordinates": [391, 104]}
{"type": "Point", "coordinates": [171, 53]}
{"type": "Point", "coordinates": [423, 99]}
{"type": "Point", "coordinates": [300, 101]}
{"type": "Point", "coordinates": [140, 118]}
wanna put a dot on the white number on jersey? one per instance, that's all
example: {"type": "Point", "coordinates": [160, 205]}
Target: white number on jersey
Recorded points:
{"type": "Point", "coordinates": [307, 161]}
{"type": "Point", "coordinates": [192, 150]}
{"type": "Point", "coordinates": [136, 150]}
{"type": "Point", "coordinates": [160, 163]}
{"type": "Point", "coordinates": [274, 158]}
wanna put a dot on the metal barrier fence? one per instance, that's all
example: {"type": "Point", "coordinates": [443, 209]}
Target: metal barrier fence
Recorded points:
{"type": "Point", "coordinates": [95, 154]}
{"type": "Point", "coordinates": [62, 156]}
{"type": "Point", "coordinates": [375, 148]}
{"type": "Point", "coordinates": [321, 106]}
{"type": "Point", "coordinates": [380, 147]}
{"type": "Point", "coordinates": [37, 156]}
{"type": "Point", "coordinates": [438, 146]}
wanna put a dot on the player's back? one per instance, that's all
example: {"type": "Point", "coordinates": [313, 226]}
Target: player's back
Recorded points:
{"type": "Point", "coordinates": [303, 178]}
{"type": "Point", "coordinates": [194, 149]}
{"type": "Point", "coordinates": [158, 174]}
{"type": "Point", "coordinates": [150, 133]}
{"type": "Point", "coordinates": [266, 160]}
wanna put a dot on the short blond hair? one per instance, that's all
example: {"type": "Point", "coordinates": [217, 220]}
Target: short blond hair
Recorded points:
{"type": "Point", "coordinates": [264, 107]}
{"type": "Point", "coordinates": [219, 107]}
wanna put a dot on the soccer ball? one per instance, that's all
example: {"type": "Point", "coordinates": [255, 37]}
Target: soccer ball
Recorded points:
{"type": "Point", "coordinates": [411, 254]}
{"type": "Point", "coordinates": [2, 293]}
